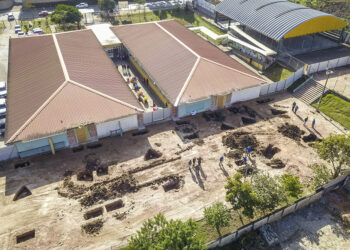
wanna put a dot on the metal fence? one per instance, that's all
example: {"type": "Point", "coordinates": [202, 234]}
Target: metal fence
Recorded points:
{"type": "Point", "coordinates": [156, 116]}
{"type": "Point", "coordinates": [274, 87]}
{"type": "Point", "coordinates": [229, 238]}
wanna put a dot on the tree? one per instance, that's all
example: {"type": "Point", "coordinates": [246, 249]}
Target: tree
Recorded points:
{"type": "Point", "coordinates": [291, 184]}
{"type": "Point", "coordinates": [335, 149]}
{"type": "Point", "coordinates": [240, 194]}
{"type": "Point", "coordinates": [106, 5]}
{"type": "Point", "coordinates": [139, 7]}
{"type": "Point", "coordinates": [158, 233]}
{"type": "Point", "coordinates": [322, 174]}
{"type": "Point", "coordinates": [269, 192]}
{"type": "Point", "coordinates": [66, 14]}
{"type": "Point", "coordinates": [217, 216]}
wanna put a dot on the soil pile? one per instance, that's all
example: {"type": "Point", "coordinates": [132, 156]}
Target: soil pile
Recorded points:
{"type": "Point", "coordinates": [264, 100]}
{"type": "Point", "coordinates": [278, 112]}
{"type": "Point", "coordinates": [311, 138]}
{"type": "Point", "coordinates": [216, 116]}
{"type": "Point", "coordinates": [120, 216]}
{"type": "Point", "coordinates": [124, 184]}
{"type": "Point", "coordinates": [174, 178]}
{"type": "Point", "coordinates": [291, 131]}
{"type": "Point", "coordinates": [225, 126]}
{"type": "Point", "coordinates": [71, 190]}
{"type": "Point", "coordinates": [174, 183]}
{"type": "Point", "coordinates": [85, 176]}
{"type": "Point", "coordinates": [21, 193]}
{"type": "Point", "coordinates": [182, 122]}
{"type": "Point", "coordinates": [270, 151]}
{"type": "Point", "coordinates": [152, 154]}
{"type": "Point", "coordinates": [251, 112]}
{"type": "Point", "coordinates": [234, 110]}
{"type": "Point", "coordinates": [240, 140]}
{"type": "Point", "coordinates": [187, 130]}
{"type": "Point", "coordinates": [191, 136]}
{"type": "Point", "coordinates": [276, 163]}
{"type": "Point", "coordinates": [93, 227]}
{"type": "Point", "coordinates": [235, 154]}
{"type": "Point", "coordinates": [247, 120]}
{"type": "Point", "coordinates": [246, 170]}
{"type": "Point", "coordinates": [92, 160]}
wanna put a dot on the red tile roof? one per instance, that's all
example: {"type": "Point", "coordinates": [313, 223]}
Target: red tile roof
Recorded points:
{"type": "Point", "coordinates": [184, 66]}
{"type": "Point", "coordinates": [62, 81]}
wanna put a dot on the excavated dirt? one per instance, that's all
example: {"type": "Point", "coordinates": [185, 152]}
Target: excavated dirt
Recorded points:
{"type": "Point", "coordinates": [276, 163]}
{"type": "Point", "coordinates": [191, 136]}
{"type": "Point", "coordinates": [216, 116]}
{"type": "Point", "coordinates": [234, 110]}
{"type": "Point", "coordinates": [152, 154]}
{"type": "Point", "coordinates": [141, 132]}
{"type": "Point", "coordinates": [291, 131]}
{"type": "Point", "coordinates": [78, 149]}
{"type": "Point", "coordinates": [182, 122]}
{"type": "Point", "coordinates": [251, 112]}
{"type": "Point", "coordinates": [235, 154]}
{"type": "Point", "coordinates": [93, 227]}
{"type": "Point", "coordinates": [22, 164]}
{"type": "Point", "coordinates": [247, 120]}
{"type": "Point", "coordinates": [187, 130]}
{"type": "Point", "coordinates": [94, 145]}
{"type": "Point", "coordinates": [311, 138]}
{"type": "Point", "coordinates": [91, 160]}
{"type": "Point", "coordinates": [85, 176]}
{"type": "Point", "coordinates": [240, 140]}
{"type": "Point", "coordinates": [246, 170]}
{"type": "Point", "coordinates": [174, 183]}
{"type": "Point", "coordinates": [71, 190]}
{"type": "Point", "coordinates": [93, 213]}
{"type": "Point", "coordinates": [120, 216]}
{"type": "Point", "coordinates": [262, 101]}
{"type": "Point", "coordinates": [239, 162]}
{"type": "Point", "coordinates": [225, 126]}
{"type": "Point", "coordinates": [278, 111]}
{"type": "Point", "coordinates": [270, 151]}
{"type": "Point", "coordinates": [21, 193]}
{"type": "Point", "coordinates": [102, 170]}
{"type": "Point", "coordinates": [114, 205]}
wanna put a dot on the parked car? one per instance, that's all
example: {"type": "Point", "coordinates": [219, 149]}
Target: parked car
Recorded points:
{"type": "Point", "coordinates": [10, 17]}
{"type": "Point", "coordinates": [38, 31]}
{"type": "Point", "coordinates": [44, 13]}
{"type": "Point", "coordinates": [81, 5]}
{"type": "Point", "coordinates": [20, 34]}
{"type": "Point", "coordinates": [2, 85]}
{"type": "Point", "coordinates": [18, 28]}
{"type": "Point", "coordinates": [2, 127]}
{"type": "Point", "coordinates": [3, 93]}
{"type": "Point", "coordinates": [3, 111]}
{"type": "Point", "coordinates": [2, 103]}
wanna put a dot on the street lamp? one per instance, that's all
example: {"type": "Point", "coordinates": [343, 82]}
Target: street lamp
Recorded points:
{"type": "Point", "coordinates": [328, 73]}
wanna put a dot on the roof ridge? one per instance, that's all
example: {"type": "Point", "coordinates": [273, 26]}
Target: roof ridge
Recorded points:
{"type": "Point", "coordinates": [182, 91]}
{"type": "Point", "coordinates": [238, 71]}
{"type": "Point", "coordinates": [178, 40]}
{"type": "Point", "coordinates": [31, 118]}
{"type": "Point", "coordinates": [104, 95]}
{"type": "Point", "coordinates": [60, 57]}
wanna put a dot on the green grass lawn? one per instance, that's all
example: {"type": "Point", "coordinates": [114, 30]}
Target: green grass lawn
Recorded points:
{"type": "Point", "coordinates": [183, 16]}
{"type": "Point", "coordinates": [336, 108]}
{"type": "Point", "coordinates": [38, 23]}
{"type": "Point", "coordinates": [277, 72]}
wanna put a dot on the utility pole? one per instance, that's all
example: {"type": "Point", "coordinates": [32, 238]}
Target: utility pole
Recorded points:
{"type": "Point", "coordinates": [328, 73]}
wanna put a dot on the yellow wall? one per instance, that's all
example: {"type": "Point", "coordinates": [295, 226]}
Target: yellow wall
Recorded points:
{"type": "Point", "coordinates": [316, 25]}
{"type": "Point", "coordinates": [255, 64]}
{"type": "Point", "coordinates": [153, 87]}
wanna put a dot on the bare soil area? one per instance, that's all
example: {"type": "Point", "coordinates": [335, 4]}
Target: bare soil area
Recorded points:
{"type": "Point", "coordinates": [72, 192]}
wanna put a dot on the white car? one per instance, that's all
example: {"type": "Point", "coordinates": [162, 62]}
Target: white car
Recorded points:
{"type": "Point", "coordinates": [81, 5]}
{"type": "Point", "coordinates": [18, 28]}
{"type": "Point", "coordinates": [10, 17]}
{"type": "Point", "coordinates": [3, 93]}
{"type": "Point", "coordinates": [2, 86]}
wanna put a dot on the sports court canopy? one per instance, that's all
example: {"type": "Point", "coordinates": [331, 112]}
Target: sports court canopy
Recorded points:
{"type": "Point", "coordinates": [279, 19]}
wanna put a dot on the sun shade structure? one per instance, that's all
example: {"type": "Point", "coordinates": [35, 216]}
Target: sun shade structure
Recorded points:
{"type": "Point", "coordinates": [61, 81]}
{"type": "Point", "coordinates": [279, 19]}
{"type": "Point", "coordinates": [184, 66]}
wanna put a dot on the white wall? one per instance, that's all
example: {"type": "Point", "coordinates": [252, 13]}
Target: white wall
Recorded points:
{"type": "Point", "coordinates": [127, 123]}
{"type": "Point", "coordinates": [245, 94]}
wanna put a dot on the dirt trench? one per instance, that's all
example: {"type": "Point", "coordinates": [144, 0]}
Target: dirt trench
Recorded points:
{"type": "Point", "coordinates": [291, 131]}
{"type": "Point", "coordinates": [240, 140]}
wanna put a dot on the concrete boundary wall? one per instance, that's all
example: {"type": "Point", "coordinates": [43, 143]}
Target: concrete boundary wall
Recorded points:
{"type": "Point", "coordinates": [8, 152]}
{"type": "Point", "coordinates": [331, 64]}
{"type": "Point", "coordinates": [280, 86]}
{"type": "Point", "coordinates": [299, 204]}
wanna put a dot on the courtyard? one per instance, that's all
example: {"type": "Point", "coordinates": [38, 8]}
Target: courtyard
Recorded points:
{"type": "Point", "coordinates": [126, 188]}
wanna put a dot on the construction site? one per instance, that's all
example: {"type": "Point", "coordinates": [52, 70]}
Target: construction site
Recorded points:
{"type": "Point", "coordinates": [96, 196]}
